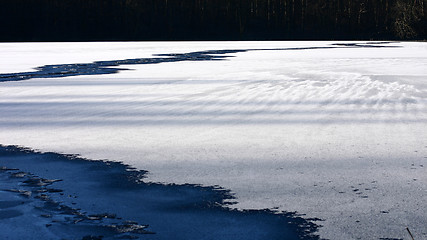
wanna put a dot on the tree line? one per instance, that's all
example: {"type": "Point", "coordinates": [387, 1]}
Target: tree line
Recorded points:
{"type": "Point", "coordinates": [86, 20]}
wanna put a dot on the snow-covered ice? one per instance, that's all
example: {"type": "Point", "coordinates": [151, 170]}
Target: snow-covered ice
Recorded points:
{"type": "Point", "coordinates": [335, 132]}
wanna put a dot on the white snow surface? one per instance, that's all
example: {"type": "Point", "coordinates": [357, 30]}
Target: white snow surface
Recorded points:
{"type": "Point", "coordinates": [338, 134]}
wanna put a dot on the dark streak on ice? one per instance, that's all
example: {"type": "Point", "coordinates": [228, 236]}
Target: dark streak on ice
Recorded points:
{"type": "Point", "coordinates": [110, 67]}
{"type": "Point", "coordinates": [76, 198]}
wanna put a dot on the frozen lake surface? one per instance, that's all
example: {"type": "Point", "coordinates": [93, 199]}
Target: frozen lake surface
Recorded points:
{"type": "Point", "coordinates": [331, 130]}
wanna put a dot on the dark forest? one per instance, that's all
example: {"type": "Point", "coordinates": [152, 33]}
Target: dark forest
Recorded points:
{"type": "Point", "coordinates": [93, 20]}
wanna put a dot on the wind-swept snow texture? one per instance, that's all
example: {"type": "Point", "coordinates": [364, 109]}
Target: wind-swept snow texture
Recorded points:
{"type": "Point", "coordinates": [334, 130]}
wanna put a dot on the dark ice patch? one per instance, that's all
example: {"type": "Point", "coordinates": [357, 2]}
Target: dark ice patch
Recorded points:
{"type": "Point", "coordinates": [110, 199]}
{"type": "Point", "coordinates": [111, 67]}
{"type": "Point", "coordinates": [6, 214]}
{"type": "Point", "coordinates": [10, 204]}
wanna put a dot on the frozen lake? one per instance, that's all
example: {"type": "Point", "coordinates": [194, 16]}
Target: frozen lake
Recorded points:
{"type": "Point", "coordinates": [333, 130]}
